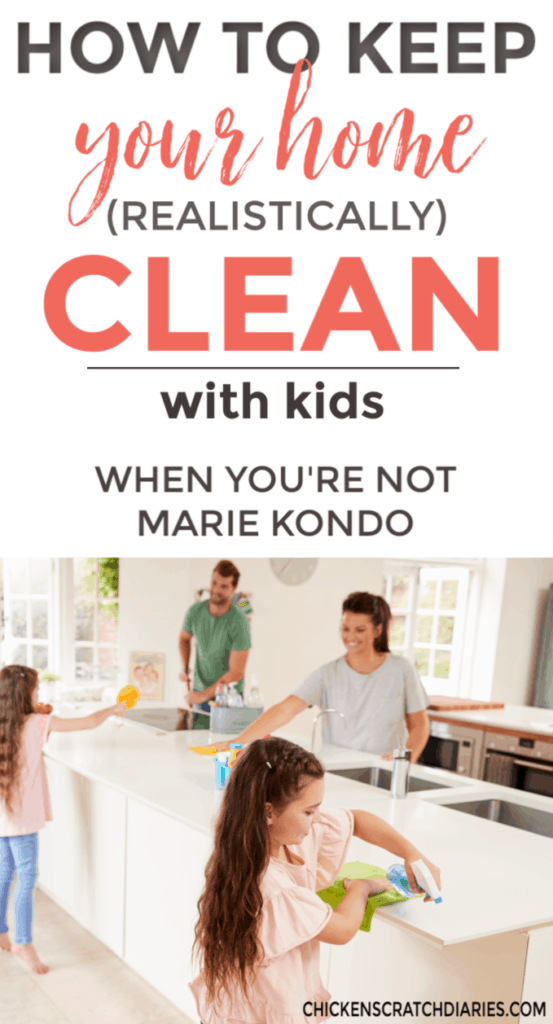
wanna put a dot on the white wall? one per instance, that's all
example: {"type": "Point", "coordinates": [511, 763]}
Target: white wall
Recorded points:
{"type": "Point", "coordinates": [484, 622]}
{"type": "Point", "coordinates": [294, 629]}
{"type": "Point", "coordinates": [154, 595]}
{"type": "Point", "coordinates": [524, 592]}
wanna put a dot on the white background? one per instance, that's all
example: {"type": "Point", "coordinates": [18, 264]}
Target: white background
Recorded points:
{"type": "Point", "coordinates": [491, 419]}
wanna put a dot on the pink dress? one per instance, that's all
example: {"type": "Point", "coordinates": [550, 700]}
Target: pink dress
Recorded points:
{"type": "Point", "coordinates": [32, 809]}
{"type": "Point", "coordinates": [292, 917]}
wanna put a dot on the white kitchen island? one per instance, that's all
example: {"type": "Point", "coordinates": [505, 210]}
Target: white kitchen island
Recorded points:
{"type": "Point", "coordinates": [126, 854]}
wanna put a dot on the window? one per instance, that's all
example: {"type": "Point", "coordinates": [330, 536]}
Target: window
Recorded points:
{"type": "Point", "coordinates": [429, 606]}
{"type": "Point", "coordinates": [96, 610]}
{"type": "Point", "coordinates": [28, 612]}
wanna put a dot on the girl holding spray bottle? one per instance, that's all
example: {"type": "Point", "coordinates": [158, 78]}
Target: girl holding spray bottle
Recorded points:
{"type": "Point", "coordinates": [261, 921]}
{"type": "Point", "coordinates": [24, 798]}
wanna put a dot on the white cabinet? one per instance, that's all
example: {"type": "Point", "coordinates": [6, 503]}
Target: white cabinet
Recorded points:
{"type": "Point", "coordinates": [538, 978]}
{"type": "Point", "coordinates": [82, 853]}
{"type": "Point", "coordinates": [165, 874]}
{"type": "Point", "coordinates": [392, 963]}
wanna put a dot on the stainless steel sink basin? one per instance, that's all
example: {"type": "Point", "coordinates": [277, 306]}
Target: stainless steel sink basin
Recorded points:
{"type": "Point", "coordinates": [517, 815]}
{"type": "Point", "coordinates": [382, 777]}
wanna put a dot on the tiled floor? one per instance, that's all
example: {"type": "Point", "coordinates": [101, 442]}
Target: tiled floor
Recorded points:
{"type": "Point", "coordinates": [86, 984]}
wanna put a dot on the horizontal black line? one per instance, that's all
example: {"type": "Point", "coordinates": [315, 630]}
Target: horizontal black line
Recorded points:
{"type": "Point", "coordinates": [291, 368]}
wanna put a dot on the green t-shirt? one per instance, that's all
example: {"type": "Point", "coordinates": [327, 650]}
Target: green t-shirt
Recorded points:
{"type": "Point", "coordinates": [216, 636]}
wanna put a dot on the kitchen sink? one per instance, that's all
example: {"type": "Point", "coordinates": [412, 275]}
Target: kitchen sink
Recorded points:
{"type": "Point", "coordinates": [382, 777]}
{"type": "Point", "coordinates": [531, 819]}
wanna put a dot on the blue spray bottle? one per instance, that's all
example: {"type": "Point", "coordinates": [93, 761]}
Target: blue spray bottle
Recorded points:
{"type": "Point", "coordinates": [397, 877]}
{"type": "Point", "coordinates": [222, 769]}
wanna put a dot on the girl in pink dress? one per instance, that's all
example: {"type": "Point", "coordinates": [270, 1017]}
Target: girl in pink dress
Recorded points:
{"type": "Point", "coordinates": [261, 920]}
{"type": "Point", "coordinates": [24, 797]}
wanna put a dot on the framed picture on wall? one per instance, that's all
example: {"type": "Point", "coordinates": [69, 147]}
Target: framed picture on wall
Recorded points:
{"type": "Point", "coordinates": [147, 673]}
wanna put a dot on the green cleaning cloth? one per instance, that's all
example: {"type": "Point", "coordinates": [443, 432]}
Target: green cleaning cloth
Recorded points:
{"type": "Point", "coordinates": [335, 893]}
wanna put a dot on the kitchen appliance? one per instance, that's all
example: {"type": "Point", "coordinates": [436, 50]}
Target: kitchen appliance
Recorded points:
{"type": "Point", "coordinates": [165, 719]}
{"type": "Point", "coordinates": [520, 762]}
{"type": "Point", "coordinates": [457, 748]}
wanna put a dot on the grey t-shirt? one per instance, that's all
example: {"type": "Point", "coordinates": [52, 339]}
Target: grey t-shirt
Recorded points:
{"type": "Point", "coordinates": [374, 705]}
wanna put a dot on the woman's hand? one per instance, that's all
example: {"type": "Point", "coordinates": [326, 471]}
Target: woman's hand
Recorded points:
{"type": "Point", "coordinates": [372, 885]}
{"type": "Point", "coordinates": [434, 871]}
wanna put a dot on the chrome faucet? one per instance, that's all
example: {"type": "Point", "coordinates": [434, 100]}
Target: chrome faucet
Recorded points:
{"type": "Point", "coordinates": [329, 711]}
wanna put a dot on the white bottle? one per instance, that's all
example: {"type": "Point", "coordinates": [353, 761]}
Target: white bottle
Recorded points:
{"type": "Point", "coordinates": [234, 698]}
{"type": "Point", "coordinates": [425, 879]}
{"type": "Point", "coordinates": [255, 699]}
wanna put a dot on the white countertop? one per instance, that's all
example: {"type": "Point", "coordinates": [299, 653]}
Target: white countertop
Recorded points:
{"type": "Point", "coordinates": [494, 875]}
{"type": "Point", "coordinates": [516, 717]}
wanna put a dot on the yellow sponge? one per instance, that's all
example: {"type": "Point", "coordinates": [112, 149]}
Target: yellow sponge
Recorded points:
{"type": "Point", "coordinates": [204, 750]}
{"type": "Point", "coordinates": [128, 695]}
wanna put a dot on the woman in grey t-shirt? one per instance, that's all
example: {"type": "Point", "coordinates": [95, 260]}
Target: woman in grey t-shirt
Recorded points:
{"type": "Point", "coordinates": [379, 693]}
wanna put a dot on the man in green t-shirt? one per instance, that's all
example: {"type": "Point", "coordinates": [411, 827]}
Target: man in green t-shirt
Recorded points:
{"type": "Point", "coordinates": [222, 642]}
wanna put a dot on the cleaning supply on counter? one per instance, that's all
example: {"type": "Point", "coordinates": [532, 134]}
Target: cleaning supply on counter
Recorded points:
{"type": "Point", "coordinates": [205, 751]}
{"type": "Point", "coordinates": [232, 719]}
{"type": "Point", "coordinates": [426, 880]}
{"type": "Point", "coordinates": [128, 695]}
{"type": "Point", "coordinates": [234, 698]}
{"type": "Point", "coordinates": [235, 751]}
{"type": "Point", "coordinates": [254, 698]}
{"type": "Point", "coordinates": [222, 769]}
{"type": "Point", "coordinates": [334, 894]}
{"type": "Point", "coordinates": [224, 762]}
{"type": "Point", "coordinates": [397, 877]}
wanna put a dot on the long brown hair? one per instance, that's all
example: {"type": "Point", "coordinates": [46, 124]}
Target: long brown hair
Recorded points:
{"type": "Point", "coordinates": [17, 683]}
{"type": "Point", "coordinates": [378, 610]}
{"type": "Point", "coordinates": [269, 771]}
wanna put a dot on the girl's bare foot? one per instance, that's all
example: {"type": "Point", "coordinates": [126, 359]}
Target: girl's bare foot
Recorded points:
{"type": "Point", "coordinates": [5, 942]}
{"type": "Point", "coordinates": [29, 956]}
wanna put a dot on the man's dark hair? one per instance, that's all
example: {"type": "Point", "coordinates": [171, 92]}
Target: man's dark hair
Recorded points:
{"type": "Point", "coordinates": [226, 568]}
{"type": "Point", "coordinates": [378, 610]}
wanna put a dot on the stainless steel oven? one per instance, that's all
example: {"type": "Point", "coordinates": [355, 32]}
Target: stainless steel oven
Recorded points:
{"type": "Point", "coordinates": [457, 748]}
{"type": "Point", "coordinates": [520, 762]}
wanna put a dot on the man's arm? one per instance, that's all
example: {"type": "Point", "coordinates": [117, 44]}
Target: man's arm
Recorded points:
{"type": "Point", "coordinates": [185, 646]}
{"type": "Point", "coordinates": [271, 719]}
{"type": "Point", "coordinates": [236, 668]}
{"type": "Point", "coordinates": [418, 730]}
